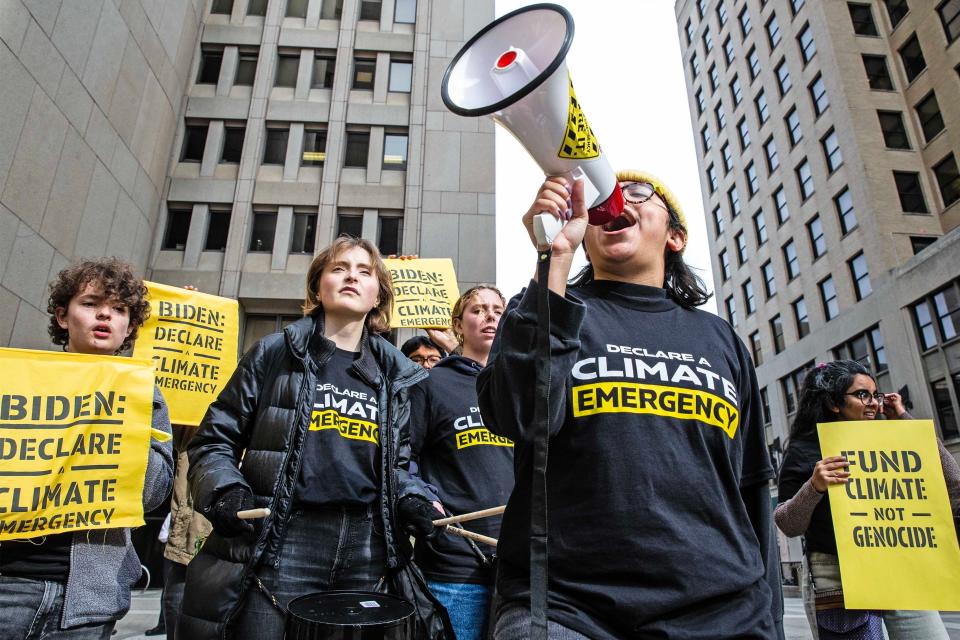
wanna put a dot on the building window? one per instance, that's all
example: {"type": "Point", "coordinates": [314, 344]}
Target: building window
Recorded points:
{"type": "Point", "coordinates": [862, 18]}
{"type": "Point", "coordinates": [714, 78]}
{"type": "Point", "coordinates": [894, 133]}
{"type": "Point", "coordinates": [275, 146]}
{"type": "Point", "coordinates": [721, 13]}
{"type": "Point", "coordinates": [828, 298]}
{"type": "Point", "coordinates": [735, 90]}
{"type": "Point", "coordinates": [946, 415]}
{"type": "Point", "coordinates": [701, 103]}
{"type": "Point", "coordinates": [808, 48]}
{"type": "Point", "coordinates": [257, 7]}
{"type": "Point", "coordinates": [818, 242]}
{"type": "Point", "coordinates": [878, 76]}
{"type": "Point", "coordinates": [707, 40]}
{"type": "Point", "coordinates": [731, 305]}
{"type": "Point", "coordinates": [790, 260]}
{"type": "Point", "coordinates": [727, 158]}
{"type": "Point", "coordinates": [297, 8]}
{"type": "Point", "coordinates": [712, 178]}
{"type": "Point", "coordinates": [405, 11]}
{"type": "Point", "coordinates": [194, 142]}
{"type": "Point", "coordinates": [721, 117]}
{"type": "Point", "coordinates": [741, 241]}
{"type": "Point", "coordinates": [804, 179]}
{"type": "Point", "coordinates": [756, 349]}
{"type": "Point", "coordinates": [350, 225]}
{"type": "Point", "coordinates": [260, 326]}
{"type": "Point", "coordinates": [754, 61]}
{"type": "Point", "coordinates": [364, 70]}
{"type": "Point", "coordinates": [223, 7]}
{"type": "Point", "coordinates": [744, 133]}
{"type": "Point", "coordinates": [919, 243]}
{"type": "Point", "coordinates": [370, 9]}
{"type": "Point", "coordinates": [760, 227]}
{"type": "Point", "coordinates": [303, 234]}
{"type": "Point", "coordinates": [232, 144]}
{"type": "Point", "coordinates": [178, 227]}
{"type": "Point", "coordinates": [332, 9]}
{"type": "Point", "coordinates": [745, 26]}
{"type": "Point", "coordinates": [818, 94]}
{"type": "Point", "coordinates": [910, 192]}
{"type": "Point", "coordinates": [718, 220]}
{"type": "Point", "coordinates": [773, 160]}
{"type": "Point", "coordinates": [324, 66]}
{"type": "Point", "coordinates": [210, 62]}
{"type": "Point", "coordinates": [734, 199]}
{"type": "Point", "coordinates": [724, 265]}
{"type": "Point", "coordinates": [879, 349]}
{"type": "Point", "coordinates": [701, 7]}
{"type": "Point", "coordinates": [314, 147]}
{"type": "Point", "coordinates": [218, 228]}
{"type": "Point", "coordinates": [773, 31]}
{"type": "Point", "coordinates": [896, 9]}
{"type": "Point", "coordinates": [288, 67]}
{"type": "Point", "coordinates": [776, 328]}
{"type": "Point", "coordinates": [749, 300]}
{"type": "Point", "coordinates": [921, 315]}
{"type": "Point", "coordinates": [358, 149]}
{"type": "Point", "coordinates": [401, 76]}
{"type": "Point", "coordinates": [861, 277]}
{"type": "Point", "coordinates": [728, 51]}
{"type": "Point", "coordinates": [866, 348]}
{"type": "Point", "coordinates": [769, 280]}
{"type": "Point", "coordinates": [843, 202]}
{"type": "Point", "coordinates": [796, 5]}
{"type": "Point", "coordinates": [246, 69]}
{"type": "Point", "coordinates": [911, 55]}
{"type": "Point", "coordinates": [753, 182]}
{"type": "Point", "coordinates": [793, 127]}
{"type": "Point", "coordinates": [395, 151]}
{"type": "Point", "coordinates": [831, 150]}
{"type": "Point", "coordinates": [706, 138]}
{"type": "Point", "coordinates": [690, 31]}
{"type": "Point", "coordinates": [780, 204]}
{"type": "Point", "coordinates": [800, 317]}
{"type": "Point", "coordinates": [264, 230]}
{"type": "Point", "coordinates": [928, 111]}
{"type": "Point", "coordinates": [949, 11]}
{"type": "Point", "coordinates": [783, 77]}
{"type": "Point", "coordinates": [763, 113]}
{"type": "Point", "coordinates": [388, 234]}
{"type": "Point", "coordinates": [946, 302]}
{"type": "Point", "coordinates": [948, 179]}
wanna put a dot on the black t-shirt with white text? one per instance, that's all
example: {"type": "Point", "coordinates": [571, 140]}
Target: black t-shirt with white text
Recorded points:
{"type": "Point", "coordinates": [341, 451]}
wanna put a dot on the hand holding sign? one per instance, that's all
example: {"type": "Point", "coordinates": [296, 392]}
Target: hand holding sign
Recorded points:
{"type": "Point", "coordinates": [832, 470]}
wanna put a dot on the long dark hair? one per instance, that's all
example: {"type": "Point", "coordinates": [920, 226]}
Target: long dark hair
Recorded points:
{"type": "Point", "coordinates": [824, 388]}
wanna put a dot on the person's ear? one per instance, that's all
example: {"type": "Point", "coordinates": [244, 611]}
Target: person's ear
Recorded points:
{"type": "Point", "coordinates": [676, 239]}
{"type": "Point", "coordinates": [61, 315]}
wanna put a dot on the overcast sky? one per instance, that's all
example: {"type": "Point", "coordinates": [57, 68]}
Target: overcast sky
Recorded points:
{"type": "Point", "coordinates": [626, 68]}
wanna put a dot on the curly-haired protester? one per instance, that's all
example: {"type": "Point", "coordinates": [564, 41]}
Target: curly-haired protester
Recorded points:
{"type": "Point", "coordinates": [657, 484]}
{"type": "Point", "coordinates": [834, 391]}
{"type": "Point", "coordinates": [318, 414]}
{"type": "Point", "coordinates": [77, 585]}
{"type": "Point", "coordinates": [470, 468]}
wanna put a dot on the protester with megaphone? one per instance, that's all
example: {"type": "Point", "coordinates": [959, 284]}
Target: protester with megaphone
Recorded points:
{"type": "Point", "coordinates": [657, 485]}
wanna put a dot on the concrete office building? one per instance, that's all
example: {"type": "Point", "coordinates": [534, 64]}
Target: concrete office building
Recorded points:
{"type": "Point", "coordinates": [828, 135]}
{"type": "Point", "coordinates": [221, 143]}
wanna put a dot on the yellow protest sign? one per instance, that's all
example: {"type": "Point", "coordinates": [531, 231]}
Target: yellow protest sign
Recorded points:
{"type": "Point", "coordinates": [192, 339]}
{"type": "Point", "coordinates": [895, 534]}
{"type": "Point", "coordinates": [74, 441]}
{"type": "Point", "coordinates": [424, 292]}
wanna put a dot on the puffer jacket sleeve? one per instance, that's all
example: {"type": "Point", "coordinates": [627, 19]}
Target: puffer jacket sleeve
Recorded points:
{"type": "Point", "coordinates": [159, 478]}
{"type": "Point", "coordinates": [217, 448]}
{"type": "Point", "coordinates": [408, 482]}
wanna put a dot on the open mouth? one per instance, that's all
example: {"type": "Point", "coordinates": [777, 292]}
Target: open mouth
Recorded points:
{"type": "Point", "coordinates": [101, 331]}
{"type": "Point", "coordinates": [350, 290]}
{"type": "Point", "coordinates": [620, 222]}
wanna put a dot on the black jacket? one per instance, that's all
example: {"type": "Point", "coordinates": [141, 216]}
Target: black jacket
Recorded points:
{"type": "Point", "coordinates": [261, 417]}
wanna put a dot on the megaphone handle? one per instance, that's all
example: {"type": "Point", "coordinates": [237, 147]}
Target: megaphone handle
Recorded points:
{"type": "Point", "coordinates": [546, 228]}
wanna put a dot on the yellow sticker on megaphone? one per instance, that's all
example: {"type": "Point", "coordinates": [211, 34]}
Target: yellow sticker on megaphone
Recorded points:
{"type": "Point", "coordinates": [578, 143]}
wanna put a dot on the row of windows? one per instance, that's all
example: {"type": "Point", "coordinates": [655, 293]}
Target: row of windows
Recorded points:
{"type": "Point", "coordinates": [312, 150]}
{"type": "Point", "coordinates": [322, 71]}
{"type": "Point", "coordinates": [405, 11]}
{"type": "Point", "coordinates": [263, 230]}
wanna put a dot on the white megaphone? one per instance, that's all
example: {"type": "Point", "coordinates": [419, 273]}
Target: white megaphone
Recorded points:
{"type": "Point", "coordinates": [514, 69]}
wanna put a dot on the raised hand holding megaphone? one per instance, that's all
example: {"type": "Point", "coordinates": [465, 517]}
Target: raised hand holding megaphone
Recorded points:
{"type": "Point", "coordinates": [515, 71]}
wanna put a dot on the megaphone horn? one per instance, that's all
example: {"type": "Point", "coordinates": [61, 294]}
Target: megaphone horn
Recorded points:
{"type": "Point", "coordinates": [514, 70]}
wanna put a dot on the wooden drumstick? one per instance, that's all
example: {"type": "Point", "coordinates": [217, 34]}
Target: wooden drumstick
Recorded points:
{"type": "Point", "coordinates": [470, 534]}
{"type": "Point", "coordinates": [253, 514]}
{"type": "Point", "coordinates": [473, 515]}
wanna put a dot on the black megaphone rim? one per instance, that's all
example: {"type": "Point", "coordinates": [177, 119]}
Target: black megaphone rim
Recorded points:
{"type": "Point", "coordinates": [522, 93]}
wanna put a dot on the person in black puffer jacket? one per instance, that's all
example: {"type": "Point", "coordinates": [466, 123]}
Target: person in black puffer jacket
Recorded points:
{"type": "Point", "coordinates": [318, 414]}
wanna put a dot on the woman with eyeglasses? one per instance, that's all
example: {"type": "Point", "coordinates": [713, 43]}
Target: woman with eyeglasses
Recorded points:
{"type": "Point", "coordinates": [834, 391]}
{"type": "Point", "coordinates": [469, 467]}
{"type": "Point", "coordinates": [659, 510]}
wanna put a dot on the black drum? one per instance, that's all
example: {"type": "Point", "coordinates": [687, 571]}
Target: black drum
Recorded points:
{"type": "Point", "coordinates": [349, 615]}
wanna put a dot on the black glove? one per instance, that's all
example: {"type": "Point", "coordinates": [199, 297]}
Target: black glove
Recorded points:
{"type": "Point", "coordinates": [416, 515]}
{"type": "Point", "coordinates": [223, 515]}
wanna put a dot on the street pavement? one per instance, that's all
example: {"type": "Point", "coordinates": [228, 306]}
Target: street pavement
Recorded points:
{"type": "Point", "coordinates": [146, 609]}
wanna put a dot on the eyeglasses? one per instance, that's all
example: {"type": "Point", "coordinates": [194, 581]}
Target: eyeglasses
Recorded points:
{"type": "Point", "coordinates": [638, 192]}
{"type": "Point", "coordinates": [430, 360]}
{"type": "Point", "coordinates": [864, 396]}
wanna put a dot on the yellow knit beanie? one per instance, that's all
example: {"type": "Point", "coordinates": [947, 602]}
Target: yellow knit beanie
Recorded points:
{"type": "Point", "coordinates": [662, 190]}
